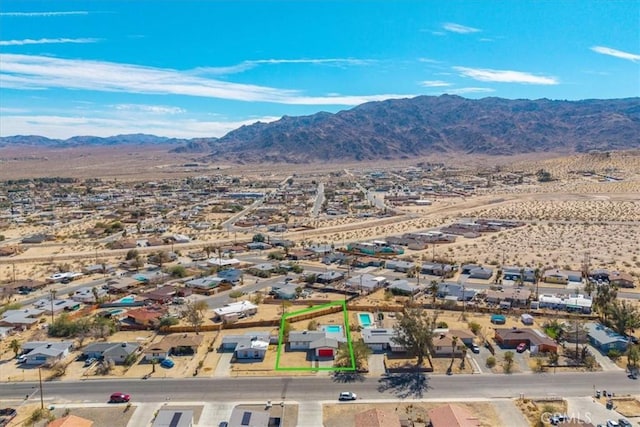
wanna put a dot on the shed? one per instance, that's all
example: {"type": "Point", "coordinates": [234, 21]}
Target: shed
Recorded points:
{"type": "Point", "coordinates": [527, 319]}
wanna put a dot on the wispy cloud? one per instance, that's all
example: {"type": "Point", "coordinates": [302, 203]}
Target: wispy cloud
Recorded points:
{"type": "Point", "coordinates": [434, 83]}
{"type": "Point", "coordinates": [45, 14]}
{"type": "Point", "coordinates": [247, 65]}
{"type": "Point", "coordinates": [42, 72]}
{"type": "Point", "coordinates": [57, 126]}
{"type": "Point", "coordinates": [616, 53]}
{"type": "Point", "coordinates": [460, 29]}
{"type": "Point", "coordinates": [505, 76]}
{"type": "Point", "coordinates": [46, 41]}
{"type": "Point", "coordinates": [155, 109]}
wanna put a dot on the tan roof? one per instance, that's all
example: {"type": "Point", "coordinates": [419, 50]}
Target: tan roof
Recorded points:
{"type": "Point", "coordinates": [377, 418]}
{"type": "Point", "coordinates": [71, 421]}
{"type": "Point", "coordinates": [452, 416]}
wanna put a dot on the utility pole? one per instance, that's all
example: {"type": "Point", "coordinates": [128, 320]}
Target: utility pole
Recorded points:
{"type": "Point", "coordinates": [41, 392]}
{"type": "Point", "coordinates": [53, 295]}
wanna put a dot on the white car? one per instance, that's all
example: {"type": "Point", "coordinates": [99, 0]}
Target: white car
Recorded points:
{"type": "Point", "coordinates": [347, 395]}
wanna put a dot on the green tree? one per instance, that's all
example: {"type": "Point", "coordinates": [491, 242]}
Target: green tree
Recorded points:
{"type": "Point", "coordinates": [623, 316]}
{"type": "Point", "coordinates": [194, 312]}
{"type": "Point", "coordinates": [491, 362]}
{"type": "Point", "coordinates": [132, 254]}
{"type": "Point", "coordinates": [605, 296]}
{"type": "Point", "coordinates": [433, 288]}
{"type": "Point", "coordinates": [633, 357]}
{"type": "Point", "coordinates": [178, 271]}
{"type": "Point", "coordinates": [15, 346]}
{"type": "Point", "coordinates": [258, 238]}
{"type": "Point", "coordinates": [414, 332]}
{"type": "Point", "coordinates": [313, 325]}
{"type": "Point", "coordinates": [235, 294]}
{"type": "Point", "coordinates": [361, 354]}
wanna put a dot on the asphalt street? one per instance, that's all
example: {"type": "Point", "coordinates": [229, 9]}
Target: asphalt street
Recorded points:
{"type": "Point", "coordinates": [327, 386]}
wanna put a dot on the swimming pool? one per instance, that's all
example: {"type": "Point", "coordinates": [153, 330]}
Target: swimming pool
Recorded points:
{"type": "Point", "coordinates": [365, 319]}
{"type": "Point", "coordinates": [335, 329]}
{"type": "Point", "coordinates": [128, 299]}
{"type": "Point", "coordinates": [116, 312]}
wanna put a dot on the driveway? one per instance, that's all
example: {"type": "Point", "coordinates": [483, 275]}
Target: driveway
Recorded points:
{"type": "Point", "coordinates": [376, 364]}
{"type": "Point", "coordinates": [589, 409]}
{"type": "Point", "coordinates": [606, 363]}
{"type": "Point", "coordinates": [223, 368]}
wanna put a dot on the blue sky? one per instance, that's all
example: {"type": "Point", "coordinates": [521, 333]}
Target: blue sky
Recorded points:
{"type": "Point", "coordinates": [202, 68]}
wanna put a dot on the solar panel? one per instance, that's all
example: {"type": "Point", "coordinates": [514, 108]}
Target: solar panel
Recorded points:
{"type": "Point", "coordinates": [175, 420]}
{"type": "Point", "coordinates": [246, 418]}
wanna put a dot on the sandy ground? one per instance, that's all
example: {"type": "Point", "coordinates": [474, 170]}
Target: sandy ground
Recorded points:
{"type": "Point", "coordinates": [341, 414]}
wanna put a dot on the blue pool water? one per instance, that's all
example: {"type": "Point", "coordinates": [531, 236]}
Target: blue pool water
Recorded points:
{"type": "Point", "coordinates": [127, 300]}
{"type": "Point", "coordinates": [333, 328]}
{"type": "Point", "coordinates": [365, 319]}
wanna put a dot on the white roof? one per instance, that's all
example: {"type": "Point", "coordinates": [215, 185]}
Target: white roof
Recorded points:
{"type": "Point", "coordinates": [235, 307]}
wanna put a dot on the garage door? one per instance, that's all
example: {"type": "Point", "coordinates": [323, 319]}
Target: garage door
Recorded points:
{"type": "Point", "coordinates": [325, 352]}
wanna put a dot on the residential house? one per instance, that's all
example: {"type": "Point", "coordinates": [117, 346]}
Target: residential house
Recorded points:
{"type": "Point", "coordinates": [403, 287]}
{"type": "Point", "coordinates": [376, 418]}
{"type": "Point", "coordinates": [443, 342]}
{"type": "Point", "coordinates": [537, 341]}
{"type": "Point", "coordinates": [451, 415]}
{"type": "Point", "coordinates": [88, 295]}
{"type": "Point", "coordinates": [71, 421]}
{"type": "Point", "coordinates": [483, 273]}
{"type": "Point", "coordinates": [173, 344]}
{"type": "Point", "coordinates": [5, 331]}
{"type": "Point", "coordinates": [285, 290]}
{"type": "Point", "coordinates": [380, 339]}
{"type": "Point", "coordinates": [561, 276]}
{"type": "Point", "coordinates": [264, 268]}
{"type": "Point", "coordinates": [118, 352]}
{"type": "Point", "coordinates": [248, 418]}
{"type": "Point", "coordinates": [438, 269]}
{"type": "Point", "coordinates": [56, 306]}
{"type": "Point", "coordinates": [301, 254]}
{"type": "Point", "coordinates": [516, 274]}
{"type": "Point", "coordinates": [146, 316]}
{"type": "Point", "coordinates": [45, 352]}
{"type": "Point", "coordinates": [21, 318]}
{"type": "Point", "coordinates": [455, 291]}
{"type": "Point", "coordinates": [366, 282]}
{"type": "Point", "coordinates": [205, 283]}
{"type": "Point", "coordinates": [223, 262]}
{"type": "Point", "coordinates": [622, 280]}
{"type": "Point", "coordinates": [513, 296]}
{"type": "Point", "coordinates": [173, 418]}
{"type": "Point", "coordinates": [230, 275]}
{"type": "Point", "coordinates": [599, 274]}
{"type": "Point", "coordinates": [322, 343]}
{"type": "Point", "coordinates": [400, 266]}
{"type": "Point", "coordinates": [234, 311]}
{"type": "Point", "coordinates": [166, 294]}
{"type": "Point", "coordinates": [252, 345]}
{"type": "Point", "coordinates": [329, 277]}
{"type": "Point", "coordinates": [606, 339]}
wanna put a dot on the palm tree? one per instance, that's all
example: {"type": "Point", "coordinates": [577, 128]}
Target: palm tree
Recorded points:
{"type": "Point", "coordinates": [454, 344]}
{"type": "Point", "coordinates": [433, 288]}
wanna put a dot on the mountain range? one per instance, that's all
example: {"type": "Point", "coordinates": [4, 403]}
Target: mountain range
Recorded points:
{"type": "Point", "coordinates": [403, 128]}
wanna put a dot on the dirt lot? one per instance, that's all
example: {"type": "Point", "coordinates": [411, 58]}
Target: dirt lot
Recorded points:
{"type": "Point", "coordinates": [114, 416]}
{"type": "Point", "coordinates": [343, 414]}
{"type": "Point", "coordinates": [533, 409]}
{"type": "Point", "coordinates": [627, 406]}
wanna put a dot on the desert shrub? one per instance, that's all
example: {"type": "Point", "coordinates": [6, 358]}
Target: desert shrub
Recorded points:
{"type": "Point", "coordinates": [491, 362]}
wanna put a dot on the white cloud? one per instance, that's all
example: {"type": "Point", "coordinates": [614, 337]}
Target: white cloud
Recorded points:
{"type": "Point", "coordinates": [616, 53]}
{"type": "Point", "coordinates": [55, 126]}
{"type": "Point", "coordinates": [434, 83]}
{"type": "Point", "coordinates": [505, 76]}
{"type": "Point", "coordinates": [46, 41]}
{"type": "Point", "coordinates": [41, 72]}
{"type": "Point", "coordinates": [39, 14]}
{"type": "Point", "coordinates": [460, 29]}
{"type": "Point", "coordinates": [247, 65]}
{"type": "Point", "coordinates": [155, 109]}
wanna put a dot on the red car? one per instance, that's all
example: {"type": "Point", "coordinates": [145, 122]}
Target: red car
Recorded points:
{"type": "Point", "coordinates": [521, 347]}
{"type": "Point", "coordinates": [119, 398]}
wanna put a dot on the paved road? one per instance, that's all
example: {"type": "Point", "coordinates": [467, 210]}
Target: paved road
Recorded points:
{"type": "Point", "coordinates": [324, 386]}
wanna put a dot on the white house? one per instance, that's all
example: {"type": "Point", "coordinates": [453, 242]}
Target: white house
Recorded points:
{"type": "Point", "coordinates": [252, 345]}
{"type": "Point", "coordinates": [41, 352]}
{"type": "Point", "coordinates": [235, 310]}
{"type": "Point", "coordinates": [88, 295]}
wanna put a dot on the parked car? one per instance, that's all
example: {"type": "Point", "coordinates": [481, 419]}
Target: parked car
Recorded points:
{"type": "Point", "coordinates": [475, 348]}
{"type": "Point", "coordinates": [90, 361]}
{"type": "Point", "coordinates": [623, 422]}
{"type": "Point", "coordinates": [521, 347]}
{"type": "Point", "coordinates": [612, 423]}
{"type": "Point", "coordinates": [167, 363]}
{"type": "Point", "coordinates": [347, 395]}
{"type": "Point", "coordinates": [22, 358]}
{"type": "Point", "coordinates": [119, 398]}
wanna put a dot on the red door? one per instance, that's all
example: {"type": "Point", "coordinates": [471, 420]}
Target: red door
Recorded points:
{"type": "Point", "coordinates": [325, 352]}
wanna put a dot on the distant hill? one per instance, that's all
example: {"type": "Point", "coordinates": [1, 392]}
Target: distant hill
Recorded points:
{"type": "Point", "coordinates": [132, 139]}
{"type": "Point", "coordinates": [404, 128]}
{"type": "Point", "coordinates": [426, 125]}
